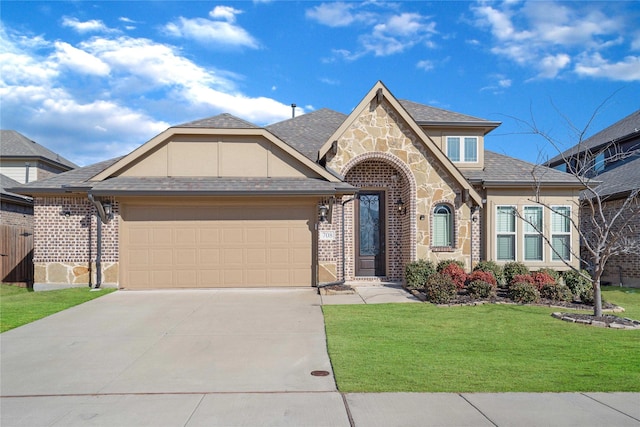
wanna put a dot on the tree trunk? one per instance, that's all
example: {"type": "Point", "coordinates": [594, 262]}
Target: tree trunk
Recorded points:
{"type": "Point", "coordinates": [597, 298]}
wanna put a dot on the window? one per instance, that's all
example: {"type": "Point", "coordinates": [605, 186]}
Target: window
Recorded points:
{"type": "Point", "coordinates": [532, 229]}
{"type": "Point", "coordinates": [599, 163]}
{"type": "Point", "coordinates": [561, 233]}
{"type": "Point", "coordinates": [442, 226]}
{"type": "Point", "coordinates": [462, 149]}
{"type": "Point", "coordinates": [506, 233]}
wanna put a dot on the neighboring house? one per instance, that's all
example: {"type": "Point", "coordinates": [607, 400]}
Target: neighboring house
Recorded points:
{"type": "Point", "coordinates": [21, 161]}
{"type": "Point", "coordinates": [612, 157]}
{"type": "Point", "coordinates": [315, 199]}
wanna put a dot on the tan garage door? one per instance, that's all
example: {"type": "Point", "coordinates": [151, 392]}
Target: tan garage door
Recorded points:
{"type": "Point", "coordinates": [216, 246]}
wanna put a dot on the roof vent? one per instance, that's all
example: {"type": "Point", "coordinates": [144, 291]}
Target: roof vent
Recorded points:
{"type": "Point", "coordinates": [293, 110]}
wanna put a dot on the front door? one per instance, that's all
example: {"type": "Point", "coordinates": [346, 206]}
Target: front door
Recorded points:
{"type": "Point", "coordinates": [370, 241]}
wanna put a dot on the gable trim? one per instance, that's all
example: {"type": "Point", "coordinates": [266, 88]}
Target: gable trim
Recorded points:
{"type": "Point", "coordinates": [164, 136]}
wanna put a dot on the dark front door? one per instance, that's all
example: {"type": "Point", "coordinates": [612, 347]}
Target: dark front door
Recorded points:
{"type": "Point", "coordinates": [370, 226]}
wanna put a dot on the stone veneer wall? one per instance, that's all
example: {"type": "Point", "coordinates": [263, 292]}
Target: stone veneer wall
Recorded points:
{"type": "Point", "coordinates": [65, 247]}
{"type": "Point", "coordinates": [380, 133]}
{"type": "Point", "coordinates": [626, 266]}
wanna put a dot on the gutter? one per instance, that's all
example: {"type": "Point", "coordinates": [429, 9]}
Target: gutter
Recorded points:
{"type": "Point", "coordinates": [100, 218]}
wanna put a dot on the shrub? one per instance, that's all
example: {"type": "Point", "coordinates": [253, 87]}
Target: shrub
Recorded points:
{"type": "Point", "coordinates": [551, 272]}
{"type": "Point", "coordinates": [485, 276]}
{"type": "Point", "coordinates": [439, 288]}
{"type": "Point", "coordinates": [541, 279]}
{"type": "Point", "coordinates": [576, 282]}
{"type": "Point", "coordinates": [555, 292]}
{"type": "Point", "coordinates": [417, 273]}
{"type": "Point", "coordinates": [586, 296]}
{"type": "Point", "coordinates": [524, 292]}
{"type": "Point", "coordinates": [456, 273]}
{"type": "Point", "coordinates": [445, 262]}
{"type": "Point", "coordinates": [512, 269]}
{"type": "Point", "coordinates": [493, 267]}
{"type": "Point", "coordinates": [522, 278]}
{"type": "Point", "coordinates": [481, 289]}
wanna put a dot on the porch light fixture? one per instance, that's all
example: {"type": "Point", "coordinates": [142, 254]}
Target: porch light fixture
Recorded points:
{"type": "Point", "coordinates": [108, 209]}
{"type": "Point", "coordinates": [401, 208]}
{"type": "Point", "coordinates": [323, 212]}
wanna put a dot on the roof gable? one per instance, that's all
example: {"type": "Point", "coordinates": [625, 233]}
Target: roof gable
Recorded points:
{"type": "Point", "coordinates": [377, 95]}
{"type": "Point", "coordinates": [14, 144]}
{"type": "Point", "coordinates": [221, 121]}
{"type": "Point", "coordinates": [428, 115]}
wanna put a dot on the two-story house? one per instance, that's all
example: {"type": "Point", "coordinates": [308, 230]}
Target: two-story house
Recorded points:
{"type": "Point", "coordinates": [612, 158]}
{"type": "Point", "coordinates": [323, 197]}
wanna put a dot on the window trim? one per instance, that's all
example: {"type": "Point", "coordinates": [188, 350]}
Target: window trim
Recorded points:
{"type": "Point", "coordinates": [568, 233]}
{"type": "Point", "coordinates": [461, 148]}
{"type": "Point", "coordinates": [452, 227]}
{"type": "Point", "coordinates": [513, 234]}
{"type": "Point", "coordinates": [526, 233]}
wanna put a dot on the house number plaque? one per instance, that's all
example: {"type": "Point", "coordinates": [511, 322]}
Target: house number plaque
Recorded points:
{"type": "Point", "coordinates": [327, 235]}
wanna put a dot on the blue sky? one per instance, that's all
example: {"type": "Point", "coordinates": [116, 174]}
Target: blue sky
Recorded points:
{"type": "Point", "coordinates": [94, 80]}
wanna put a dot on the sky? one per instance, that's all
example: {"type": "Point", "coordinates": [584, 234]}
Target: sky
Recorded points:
{"type": "Point", "coordinates": [92, 80]}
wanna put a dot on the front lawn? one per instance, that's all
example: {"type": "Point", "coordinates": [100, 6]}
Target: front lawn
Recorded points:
{"type": "Point", "coordinates": [488, 348]}
{"type": "Point", "coordinates": [19, 306]}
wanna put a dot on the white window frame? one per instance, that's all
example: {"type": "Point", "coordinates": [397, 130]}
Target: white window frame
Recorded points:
{"type": "Point", "coordinates": [461, 148]}
{"type": "Point", "coordinates": [450, 235]}
{"type": "Point", "coordinates": [554, 256]}
{"type": "Point", "coordinates": [513, 234]}
{"type": "Point", "coordinates": [529, 230]}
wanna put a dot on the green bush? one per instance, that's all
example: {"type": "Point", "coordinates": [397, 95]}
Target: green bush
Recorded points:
{"type": "Point", "coordinates": [440, 289]}
{"type": "Point", "coordinates": [556, 292]}
{"type": "Point", "coordinates": [551, 272]}
{"type": "Point", "coordinates": [481, 289]}
{"type": "Point", "coordinates": [417, 272]}
{"type": "Point", "coordinates": [586, 296]}
{"type": "Point", "coordinates": [524, 292]}
{"type": "Point", "coordinates": [445, 262]}
{"type": "Point", "coordinates": [492, 267]}
{"type": "Point", "coordinates": [457, 274]}
{"type": "Point", "coordinates": [512, 269]}
{"type": "Point", "coordinates": [577, 283]}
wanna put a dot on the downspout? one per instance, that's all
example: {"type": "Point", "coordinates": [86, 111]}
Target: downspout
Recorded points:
{"type": "Point", "coordinates": [99, 220]}
{"type": "Point", "coordinates": [342, 244]}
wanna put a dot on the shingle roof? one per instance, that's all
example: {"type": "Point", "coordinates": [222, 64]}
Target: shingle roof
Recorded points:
{"type": "Point", "coordinates": [620, 179]}
{"type": "Point", "coordinates": [625, 128]}
{"type": "Point", "coordinates": [8, 183]}
{"type": "Point", "coordinates": [14, 144]}
{"type": "Point", "coordinates": [424, 114]}
{"type": "Point", "coordinates": [217, 186]}
{"type": "Point", "coordinates": [504, 170]}
{"type": "Point", "coordinates": [221, 121]}
{"type": "Point", "coordinates": [308, 132]}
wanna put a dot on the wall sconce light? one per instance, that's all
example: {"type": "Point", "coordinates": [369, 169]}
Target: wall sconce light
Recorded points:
{"type": "Point", "coordinates": [474, 219]}
{"type": "Point", "coordinates": [108, 209]}
{"type": "Point", "coordinates": [66, 214]}
{"type": "Point", "coordinates": [401, 208]}
{"type": "Point", "coordinates": [323, 212]}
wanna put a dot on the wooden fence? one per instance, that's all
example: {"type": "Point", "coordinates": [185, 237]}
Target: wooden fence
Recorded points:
{"type": "Point", "coordinates": [16, 253]}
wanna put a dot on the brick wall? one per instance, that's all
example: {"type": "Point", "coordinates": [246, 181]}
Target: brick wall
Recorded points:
{"type": "Point", "coordinates": [65, 241]}
{"type": "Point", "coordinates": [16, 215]}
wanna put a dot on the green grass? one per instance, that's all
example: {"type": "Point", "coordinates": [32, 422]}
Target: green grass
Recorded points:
{"type": "Point", "coordinates": [489, 348]}
{"type": "Point", "coordinates": [19, 306]}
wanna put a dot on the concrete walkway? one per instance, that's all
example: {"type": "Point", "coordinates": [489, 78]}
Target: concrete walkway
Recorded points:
{"type": "Point", "coordinates": [235, 358]}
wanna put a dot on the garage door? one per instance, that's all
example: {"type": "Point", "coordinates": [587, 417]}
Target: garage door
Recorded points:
{"type": "Point", "coordinates": [216, 246]}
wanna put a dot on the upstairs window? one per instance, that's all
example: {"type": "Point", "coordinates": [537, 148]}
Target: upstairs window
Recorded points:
{"type": "Point", "coordinates": [462, 149]}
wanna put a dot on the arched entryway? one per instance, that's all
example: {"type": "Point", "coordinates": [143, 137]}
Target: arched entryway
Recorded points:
{"type": "Point", "coordinates": [379, 228]}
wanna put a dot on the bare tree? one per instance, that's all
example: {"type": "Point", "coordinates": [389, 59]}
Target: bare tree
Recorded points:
{"type": "Point", "coordinates": [606, 227]}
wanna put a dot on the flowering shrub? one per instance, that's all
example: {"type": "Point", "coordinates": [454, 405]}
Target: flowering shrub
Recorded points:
{"type": "Point", "coordinates": [524, 292]}
{"type": "Point", "coordinates": [551, 272]}
{"type": "Point", "coordinates": [481, 289]}
{"type": "Point", "coordinates": [445, 262]}
{"type": "Point", "coordinates": [439, 288]}
{"type": "Point", "coordinates": [493, 267]}
{"type": "Point", "coordinates": [485, 276]}
{"type": "Point", "coordinates": [540, 279]}
{"type": "Point", "coordinates": [555, 292]}
{"type": "Point", "coordinates": [456, 273]}
{"type": "Point", "coordinates": [522, 278]}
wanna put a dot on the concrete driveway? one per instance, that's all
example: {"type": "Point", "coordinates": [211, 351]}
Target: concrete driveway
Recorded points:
{"type": "Point", "coordinates": [174, 358]}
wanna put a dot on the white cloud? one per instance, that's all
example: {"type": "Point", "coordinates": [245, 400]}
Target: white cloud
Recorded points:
{"type": "Point", "coordinates": [425, 65]}
{"type": "Point", "coordinates": [336, 14]}
{"type": "Point", "coordinates": [91, 26]}
{"type": "Point", "coordinates": [626, 70]}
{"type": "Point", "coordinates": [548, 36]}
{"type": "Point", "coordinates": [221, 32]}
{"type": "Point", "coordinates": [79, 60]}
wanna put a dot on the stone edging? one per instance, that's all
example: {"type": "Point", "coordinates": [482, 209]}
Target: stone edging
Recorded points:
{"type": "Point", "coordinates": [567, 318]}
